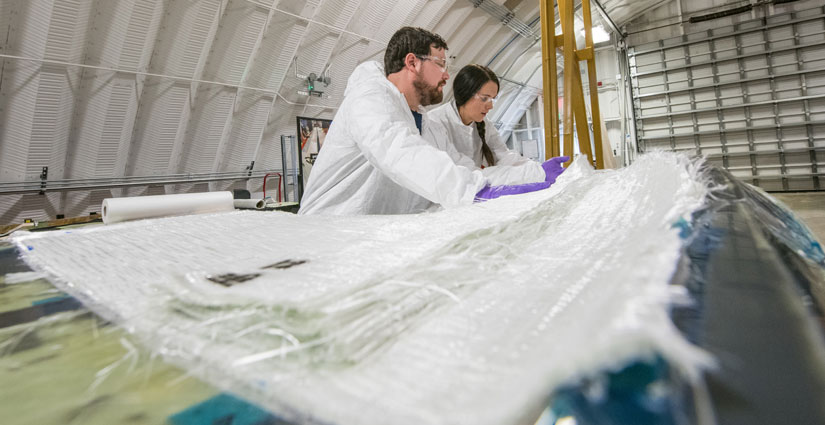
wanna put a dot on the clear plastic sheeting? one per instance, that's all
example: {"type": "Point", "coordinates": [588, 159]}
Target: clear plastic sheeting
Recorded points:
{"type": "Point", "coordinates": [470, 315]}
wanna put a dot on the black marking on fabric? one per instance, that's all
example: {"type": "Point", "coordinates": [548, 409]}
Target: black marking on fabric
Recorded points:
{"type": "Point", "coordinates": [10, 261]}
{"type": "Point", "coordinates": [42, 359]}
{"type": "Point", "coordinates": [30, 314]}
{"type": "Point", "coordinates": [26, 341]}
{"type": "Point", "coordinates": [285, 264]}
{"type": "Point", "coordinates": [75, 413]}
{"type": "Point", "coordinates": [225, 420]}
{"type": "Point", "coordinates": [102, 323]}
{"type": "Point", "coordinates": [231, 279]}
{"type": "Point", "coordinates": [136, 417]}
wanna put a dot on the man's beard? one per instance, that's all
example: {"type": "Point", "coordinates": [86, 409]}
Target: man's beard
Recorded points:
{"type": "Point", "coordinates": [427, 94]}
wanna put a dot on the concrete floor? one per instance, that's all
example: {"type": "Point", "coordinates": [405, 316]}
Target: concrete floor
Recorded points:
{"type": "Point", "coordinates": [809, 206]}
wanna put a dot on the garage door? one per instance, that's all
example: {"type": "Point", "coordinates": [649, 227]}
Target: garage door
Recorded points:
{"type": "Point", "coordinates": [750, 97]}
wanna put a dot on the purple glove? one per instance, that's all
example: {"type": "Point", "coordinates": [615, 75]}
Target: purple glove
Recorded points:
{"type": "Point", "coordinates": [553, 169]}
{"type": "Point", "coordinates": [493, 192]}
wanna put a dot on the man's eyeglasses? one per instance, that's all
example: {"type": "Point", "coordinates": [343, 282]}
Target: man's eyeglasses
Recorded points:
{"type": "Point", "coordinates": [486, 99]}
{"type": "Point", "coordinates": [439, 62]}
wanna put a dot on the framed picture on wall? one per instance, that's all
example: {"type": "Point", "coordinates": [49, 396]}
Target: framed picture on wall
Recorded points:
{"type": "Point", "coordinates": [311, 134]}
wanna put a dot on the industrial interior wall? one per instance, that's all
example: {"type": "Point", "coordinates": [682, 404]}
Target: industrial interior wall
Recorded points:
{"type": "Point", "coordinates": [99, 89]}
{"type": "Point", "coordinates": [746, 90]}
{"type": "Point", "coordinates": [610, 99]}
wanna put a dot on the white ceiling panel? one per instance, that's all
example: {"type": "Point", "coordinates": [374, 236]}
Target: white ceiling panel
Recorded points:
{"type": "Point", "coordinates": [431, 13]}
{"type": "Point", "coordinates": [337, 13]}
{"type": "Point", "coordinates": [274, 58]}
{"type": "Point", "coordinates": [454, 17]}
{"type": "Point", "coordinates": [240, 27]}
{"type": "Point", "coordinates": [185, 37]}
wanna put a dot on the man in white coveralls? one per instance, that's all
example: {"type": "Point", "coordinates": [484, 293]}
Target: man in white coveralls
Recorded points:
{"type": "Point", "coordinates": [374, 159]}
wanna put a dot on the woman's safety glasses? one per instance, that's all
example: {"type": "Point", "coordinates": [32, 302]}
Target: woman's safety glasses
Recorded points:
{"type": "Point", "coordinates": [486, 99]}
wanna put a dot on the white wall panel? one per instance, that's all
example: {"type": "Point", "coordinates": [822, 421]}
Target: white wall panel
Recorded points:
{"type": "Point", "coordinates": [185, 37]}
{"type": "Point", "coordinates": [158, 122]}
{"type": "Point", "coordinates": [431, 13]}
{"type": "Point", "coordinates": [210, 121]}
{"type": "Point", "coordinates": [458, 13]}
{"type": "Point", "coordinates": [382, 18]}
{"type": "Point", "coordinates": [240, 27]}
{"type": "Point", "coordinates": [248, 123]}
{"type": "Point", "coordinates": [37, 99]}
{"type": "Point", "coordinates": [461, 34]}
{"type": "Point", "coordinates": [744, 94]}
{"type": "Point", "coordinates": [273, 62]}
{"type": "Point", "coordinates": [104, 113]}
{"type": "Point", "coordinates": [337, 13]}
{"type": "Point", "coordinates": [205, 131]}
{"type": "Point", "coordinates": [180, 49]}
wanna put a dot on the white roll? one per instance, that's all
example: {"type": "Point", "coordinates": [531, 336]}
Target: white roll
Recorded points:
{"type": "Point", "coordinates": [249, 204]}
{"type": "Point", "coordinates": [134, 208]}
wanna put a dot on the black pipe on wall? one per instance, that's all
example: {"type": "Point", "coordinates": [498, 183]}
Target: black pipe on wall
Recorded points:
{"type": "Point", "coordinates": [717, 15]}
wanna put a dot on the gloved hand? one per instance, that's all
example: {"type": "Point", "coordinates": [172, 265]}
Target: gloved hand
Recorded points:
{"type": "Point", "coordinates": [553, 169]}
{"type": "Point", "coordinates": [492, 192]}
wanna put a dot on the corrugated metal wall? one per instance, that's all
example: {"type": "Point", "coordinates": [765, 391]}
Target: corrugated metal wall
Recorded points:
{"type": "Point", "coordinates": [750, 95]}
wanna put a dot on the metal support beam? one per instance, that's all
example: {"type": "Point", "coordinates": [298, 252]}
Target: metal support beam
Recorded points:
{"type": "Point", "coordinates": [595, 114]}
{"type": "Point", "coordinates": [580, 114]}
{"type": "Point", "coordinates": [66, 185]}
{"type": "Point", "coordinates": [568, 33]}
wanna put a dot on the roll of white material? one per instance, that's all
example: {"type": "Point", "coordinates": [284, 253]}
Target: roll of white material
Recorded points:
{"type": "Point", "coordinates": [116, 210]}
{"type": "Point", "coordinates": [249, 204]}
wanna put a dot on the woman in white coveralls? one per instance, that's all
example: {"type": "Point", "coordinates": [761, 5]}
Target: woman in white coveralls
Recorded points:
{"type": "Point", "coordinates": [476, 142]}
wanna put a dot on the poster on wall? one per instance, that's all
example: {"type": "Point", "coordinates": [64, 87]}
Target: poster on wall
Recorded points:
{"type": "Point", "coordinates": [311, 135]}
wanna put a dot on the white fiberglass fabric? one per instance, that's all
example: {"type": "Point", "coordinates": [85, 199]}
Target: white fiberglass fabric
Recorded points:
{"type": "Point", "coordinates": [471, 315]}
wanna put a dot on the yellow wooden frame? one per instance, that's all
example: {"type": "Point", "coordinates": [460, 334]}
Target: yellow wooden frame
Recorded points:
{"type": "Point", "coordinates": [574, 112]}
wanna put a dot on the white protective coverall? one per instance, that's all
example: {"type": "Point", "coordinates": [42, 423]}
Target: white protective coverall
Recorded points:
{"type": "Point", "coordinates": [374, 161]}
{"type": "Point", "coordinates": [511, 167]}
